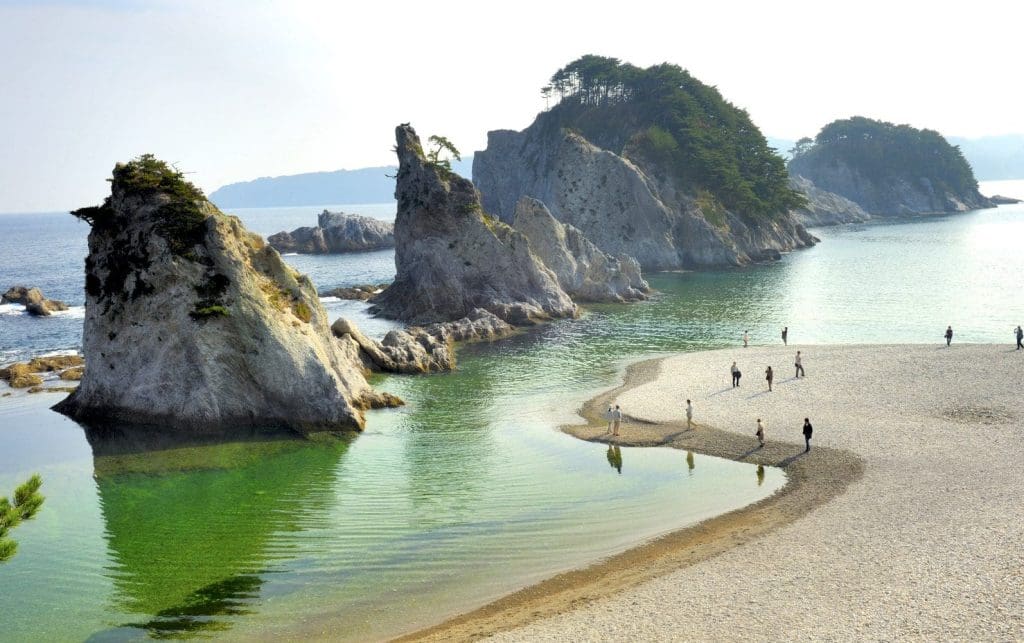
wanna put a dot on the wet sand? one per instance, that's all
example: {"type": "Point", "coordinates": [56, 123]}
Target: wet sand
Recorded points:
{"type": "Point", "coordinates": [904, 521]}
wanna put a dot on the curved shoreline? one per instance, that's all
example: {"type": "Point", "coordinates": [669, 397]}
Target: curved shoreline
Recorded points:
{"type": "Point", "coordinates": [571, 590]}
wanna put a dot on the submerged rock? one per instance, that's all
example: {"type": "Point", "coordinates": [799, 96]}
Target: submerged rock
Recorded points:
{"type": "Point", "coordinates": [25, 374]}
{"type": "Point", "coordinates": [451, 257]}
{"type": "Point", "coordinates": [624, 206]}
{"type": "Point", "coordinates": [999, 199]}
{"type": "Point", "coordinates": [193, 322]}
{"type": "Point", "coordinates": [337, 232]}
{"type": "Point", "coordinates": [582, 269]}
{"type": "Point", "coordinates": [33, 301]}
{"type": "Point", "coordinates": [360, 293]}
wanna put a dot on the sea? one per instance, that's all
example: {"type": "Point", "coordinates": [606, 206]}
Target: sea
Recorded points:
{"type": "Point", "coordinates": [469, 492]}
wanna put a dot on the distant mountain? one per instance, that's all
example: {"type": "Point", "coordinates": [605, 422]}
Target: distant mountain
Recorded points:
{"type": "Point", "coordinates": [365, 185]}
{"type": "Point", "coordinates": [994, 157]}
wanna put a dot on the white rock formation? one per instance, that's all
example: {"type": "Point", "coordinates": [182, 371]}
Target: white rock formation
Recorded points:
{"type": "Point", "coordinates": [582, 269]}
{"type": "Point", "coordinates": [193, 322]}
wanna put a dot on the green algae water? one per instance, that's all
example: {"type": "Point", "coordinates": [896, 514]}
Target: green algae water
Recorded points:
{"type": "Point", "coordinates": [470, 491]}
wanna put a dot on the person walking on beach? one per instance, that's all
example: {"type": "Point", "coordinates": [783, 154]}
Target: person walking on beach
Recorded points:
{"type": "Point", "coordinates": [949, 335]}
{"type": "Point", "coordinates": [769, 375]}
{"type": "Point", "coordinates": [1020, 337]}
{"type": "Point", "coordinates": [746, 338]}
{"type": "Point", "coordinates": [616, 419]}
{"type": "Point", "coordinates": [808, 430]}
{"type": "Point", "coordinates": [735, 375]}
{"type": "Point", "coordinates": [799, 363]}
{"type": "Point", "coordinates": [760, 432]}
{"type": "Point", "coordinates": [689, 414]}
{"type": "Point", "coordinates": [785, 336]}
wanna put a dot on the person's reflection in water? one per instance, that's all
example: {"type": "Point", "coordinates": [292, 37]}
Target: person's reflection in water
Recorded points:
{"type": "Point", "coordinates": [615, 457]}
{"type": "Point", "coordinates": [760, 475]}
{"type": "Point", "coordinates": [689, 461]}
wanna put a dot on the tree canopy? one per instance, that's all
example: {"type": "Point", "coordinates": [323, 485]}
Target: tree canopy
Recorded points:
{"type": "Point", "coordinates": [663, 115]}
{"type": "Point", "coordinates": [884, 151]}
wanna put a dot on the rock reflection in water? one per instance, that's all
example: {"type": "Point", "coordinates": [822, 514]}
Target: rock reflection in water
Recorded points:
{"type": "Point", "coordinates": [193, 525]}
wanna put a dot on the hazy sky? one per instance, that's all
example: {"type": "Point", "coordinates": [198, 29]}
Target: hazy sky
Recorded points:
{"type": "Point", "coordinates": [233, 90]}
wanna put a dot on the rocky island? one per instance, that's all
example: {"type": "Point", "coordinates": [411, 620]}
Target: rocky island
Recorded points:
{"type": "Point", "coordinates": [192, 322]}
{"type": "Point", "coordinates": [885, 169]}
{"type": "Point", "coordinates": [336, 232]}
{"type": "Point", "coordinates": [452, 259]}
{"type": "Point", "coordinates": [698, 189]}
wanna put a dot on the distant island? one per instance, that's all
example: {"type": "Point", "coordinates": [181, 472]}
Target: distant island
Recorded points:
{"type": "Point", "coordinates": [888, 169]}
{"type": "Point", "coordinates": [364, 185]}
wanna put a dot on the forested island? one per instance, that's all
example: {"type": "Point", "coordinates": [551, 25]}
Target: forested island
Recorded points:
{"type": "Point", "coordinates": [888, 169]}
{"type": "Point", "coordinates": [651, 163]}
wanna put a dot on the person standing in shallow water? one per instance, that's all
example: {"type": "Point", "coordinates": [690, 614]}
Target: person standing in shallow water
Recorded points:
{"type": "Point", "coordinates": [760, 432]}
{"type": "Point", "coordinates": [735, 375]}
{"type": "Point", "coordinates": [808, 430]}
{"type": "Point", "coordinates": [799, 363]}
{"type": "Point", "coordinates": [746, 338]}
{"type": "Point", "coordinates": [785, 336]}
{"type": "Point", "coordinates": [769, 375]}
{"type": "Point", "coordinates": [689, 414]}
{"type": "Point", "coordinates": [1020, 337]}
{"type": "Point", "coordinates": [949, 335]}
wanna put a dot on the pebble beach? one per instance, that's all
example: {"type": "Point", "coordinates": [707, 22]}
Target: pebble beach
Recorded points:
{"type": "Point", "coordinates": [905, 520]}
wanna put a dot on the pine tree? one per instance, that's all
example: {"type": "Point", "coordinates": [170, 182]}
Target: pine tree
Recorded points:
{"type": "Point", "coordinates": [27, 501]}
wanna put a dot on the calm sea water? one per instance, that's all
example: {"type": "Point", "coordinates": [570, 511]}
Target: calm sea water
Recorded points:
{"type": "Point", "coordinates": [464, 495]}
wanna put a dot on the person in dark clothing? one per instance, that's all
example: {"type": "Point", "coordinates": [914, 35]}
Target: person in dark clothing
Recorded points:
{"type": "Point", "coordinates": [785, 335]}
{"type": "Point", "coordinates": [808, 430]}
{"type": "Point", "coordinates": [949, 335]}
{"type": "Point", "coordinates": [769, 375]}
{"type": "Point", "coordinates": [1020, 337]}
{"type": "Point", "coordinates": [735, 375]}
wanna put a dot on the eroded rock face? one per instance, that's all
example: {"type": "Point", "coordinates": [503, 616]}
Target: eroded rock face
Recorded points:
{"type": "Point", "coordinates": [452, 258]}
{"type": "Point", "coordinates": [620, 206]}
{"type": "Point", "coordinates": [33, 301]}
{"type": "Point", "coordinates": [887, 196]}
{"type": "Point", "coordinates": [825, 208]}
{"type": "Point", "coordinates": [582, 269]}
{"type": "Point", "coordinates": [410, 351]}
{"type": "Point", "coordinates": [193, 322]}
{"type": "Point", "coordinates": [336, 232]}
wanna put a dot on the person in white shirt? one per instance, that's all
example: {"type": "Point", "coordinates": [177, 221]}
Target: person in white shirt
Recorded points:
{"type": "Point", "coordinates": [799, 363]}
{"type": "Point", "coordinates": [735, 375]}
{"type": "Point", "coordinates": [689, 414]}
{"type": "Point", "coordinates": [616, 419]}
{"type": "Point", "coordinates": [760, 432]}
{"type": "Point", "coordinates": [746, 338]}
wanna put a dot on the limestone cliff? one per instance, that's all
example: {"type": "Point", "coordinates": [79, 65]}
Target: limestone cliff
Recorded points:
{"type": "Point", "coordinates": [582, 269]}
{"type": "Point", "coordinates": [888, 169]}
{"type": "Point", "coordinates": [825, 208]}
{"type": "Point", "coordinates": [451, 257]}
{"type": "Point", "coordinates": [193, 322]}
{"type": "Point", "coordinates": [624, 206]}
{"type": "Point", "coordinates": [336, 232]}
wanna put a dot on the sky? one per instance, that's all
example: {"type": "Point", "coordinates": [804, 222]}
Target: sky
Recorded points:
{"type": "Point", "coordinates": [231, 90]}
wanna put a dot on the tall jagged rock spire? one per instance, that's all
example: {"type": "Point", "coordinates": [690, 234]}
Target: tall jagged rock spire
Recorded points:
{"type": "Point", "coordinates": [194, 322]}
{"type": "Point", "coordinates": [452, 258]}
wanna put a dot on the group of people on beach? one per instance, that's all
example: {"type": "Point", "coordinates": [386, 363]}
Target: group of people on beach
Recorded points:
{"type": "Point", "coordinates": [769, 376]}
{"type": "Point", "coordinates": [1018, 334]}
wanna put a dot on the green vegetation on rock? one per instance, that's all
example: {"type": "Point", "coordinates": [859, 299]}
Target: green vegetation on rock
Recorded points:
{"type": "Point", "coordinates": [26, 503]}
{"type": "Point", "coordinates": [664, 117]}
{"type": "Point", "coordinates": [883, 151]}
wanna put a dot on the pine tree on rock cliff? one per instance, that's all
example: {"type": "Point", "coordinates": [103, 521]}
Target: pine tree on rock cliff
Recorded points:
{"type": "Point", "coordinates": [194, 322]}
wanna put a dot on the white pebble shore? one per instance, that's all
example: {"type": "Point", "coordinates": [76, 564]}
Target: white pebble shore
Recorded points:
{"type": "Point", "coordinates": [928, 545]}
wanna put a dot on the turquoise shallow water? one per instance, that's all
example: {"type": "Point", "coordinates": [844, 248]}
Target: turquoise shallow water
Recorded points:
{"type": "Point", "coordinates": [470, 491]}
